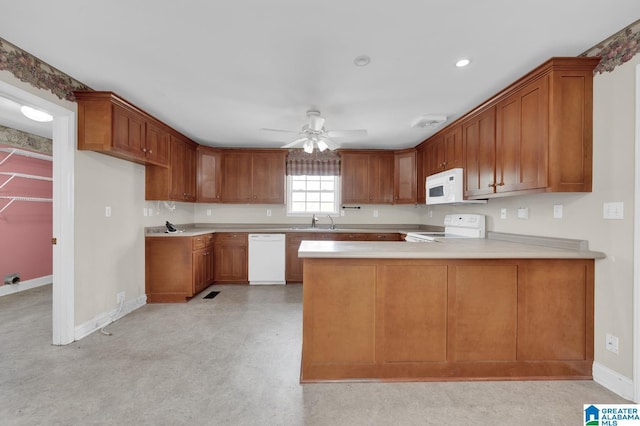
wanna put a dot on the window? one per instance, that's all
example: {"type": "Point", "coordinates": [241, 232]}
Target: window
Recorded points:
{"type": "Point", "coordinates": [312, 194]}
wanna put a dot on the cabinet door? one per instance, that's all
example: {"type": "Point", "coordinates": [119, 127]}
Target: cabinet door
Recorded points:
{"type": "Point", "coordinates": [236, 178]}
{"type": "Point", "coordinates": [182, 187]}
{"type": "Point", "coordinates": [434, 155]}
{"type": "Point", "coordinates": [209, 176]}
{"type": "Point", "coordinates": [209, 266]}
{"type": "Point", "coordinates": [479, 145]}
{"type": "Point", "coordinates": [355, 178]}
{"type": "Point", "coordinates": [405, 177]}
{"type": "Point", "coordinates": [522, 138]}
{"type": "Point", "coordinates": [128, 131]}
{"type": "Point", "coordinates": [157, 144]}
{"type": "Point", "coordinates": [381, 178]}
{"type": "Point", "coordinates": [191, 159]}
{"type": "Point", "coordinates": [453, 149]}
{"type": "Point", "coordinates": [421, 174]}
{"type": "Point", "coordinates": [268, 178]}
{"type": "Point", "coordinates": [230, 252]}
{"type": "Point", "coordinates": [199, 259]}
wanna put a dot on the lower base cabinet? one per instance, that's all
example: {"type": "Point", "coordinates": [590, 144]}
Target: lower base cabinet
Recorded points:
{"type": "Point", "coordinates": [389, 319]}
{"type": "Point", "coordinates": [177, 268]}
{"type": "Point", "coordinates": [231, 258]}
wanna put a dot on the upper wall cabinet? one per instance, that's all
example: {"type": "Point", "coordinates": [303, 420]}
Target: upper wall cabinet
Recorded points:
{"type": "Point", "coordinates": [445, 151]}
{"type": "Point", "coordinates": [404, 181]}
{"type": "Point", "coordinates": [534, 136]}
{"type": "Point", "coordinates": [253, 176]}
{"type": "Point", "coordinates": [178, 181]}
{"type": "Point", "coordinates": [367, 177]}
{"type": "Point", "coordinates": [113, 126]}
{"type": "Point", "coordinates": [209, 175]}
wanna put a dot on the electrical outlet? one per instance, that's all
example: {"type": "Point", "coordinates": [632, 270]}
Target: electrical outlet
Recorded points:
{"type": "Point", "coordinates": [523, 212]}
{"type": "Point", "coordinates": [503, 213]}
{"type": "Point", "coordinates": [208, 212]}
{"type": "Point", "coordinates": [341, 212]}
{"type": "Point", "coordinates": [612, 343]}
{"type": "Point", "coordinates": [145, 212]}
{"type": "Point", "coordinates": [107, 211]}
{"type": "Point", "coordinates": [557, 211]}
{"type": "Point", "coordinates": [430, 214]}
{"type": "Point", "coordinates": [375, 213]}
{"type": "Point", "coordinates": [120, 297]}
{"type": "Point", "coordinates": [268, 212]}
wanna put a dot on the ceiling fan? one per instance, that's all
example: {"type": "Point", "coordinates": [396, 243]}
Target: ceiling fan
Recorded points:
{"type": "Point", "coordinates": [314, 134]}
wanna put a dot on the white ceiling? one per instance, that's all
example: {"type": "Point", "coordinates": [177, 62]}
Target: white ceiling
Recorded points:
{"type": "Point", "coordinates": [219, 71]}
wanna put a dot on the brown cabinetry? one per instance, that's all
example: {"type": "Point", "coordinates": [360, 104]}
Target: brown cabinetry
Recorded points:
{"type": "Point", "coordinates": [447, 319]}
{"type": "Point", "coordinates": [445, 151]}
{"type": "Point", "coordinates": [422, 171]}
{"type": "Point", "coordinates": [112, 126]}
{"type": "Point", "coordinates": [178, 181]}
{"type": "Point", "coordinates": [367, 177]}
{"type": "Point", "coordinates": [479, 136]}
{"type": "Point", "coordinates": [177, 268]}
{"type": "Point", "coordinates": [404, 172]}
{"type": "Point", "coordinates": [209, 175]}
{"type": "Point", "coordinates": [230, 249]}
{"type": "Point", "coordinates": [253, 176]}
{"type": "Point", "coordinates": [537, 133]}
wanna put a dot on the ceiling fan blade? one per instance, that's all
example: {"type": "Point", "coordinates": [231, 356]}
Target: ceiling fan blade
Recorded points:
{"type": "Point", "coordinates": [347, 133]}
{"type": "Point", "coordinates": [294, 143]}
{"type": "Point", "coordinates": [281, 131]}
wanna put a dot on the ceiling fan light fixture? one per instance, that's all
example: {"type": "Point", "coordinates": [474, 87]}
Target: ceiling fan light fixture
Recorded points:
{"type": "Point", "coordinates": [322, 145]}
{"type": "Point", "coordinates": [428, 121]}
{"type": "Point", "coordinates": [308, 146]}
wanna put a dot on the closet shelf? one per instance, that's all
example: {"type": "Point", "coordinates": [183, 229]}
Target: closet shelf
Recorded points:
{"type": "Point", "coordinates": [24, 153]}
{"type": "Point", "coordinates": [12, 199]}
{"type": "Point", "coordinates": [22, 175]}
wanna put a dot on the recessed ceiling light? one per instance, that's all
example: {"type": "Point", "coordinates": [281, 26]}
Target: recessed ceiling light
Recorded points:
{"type": "Point", "coordinates": [36, 114]}
{"type": "Point", "coordinates": [462, 63]}
{"type": "Point", "coordinates": [362, 60]}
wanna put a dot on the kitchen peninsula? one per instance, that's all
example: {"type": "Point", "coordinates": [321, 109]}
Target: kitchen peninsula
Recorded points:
{"type": "Point", "coordinates": [505, 307]}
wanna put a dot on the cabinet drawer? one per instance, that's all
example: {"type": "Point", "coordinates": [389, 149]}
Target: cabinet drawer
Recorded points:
{"type": "Point", "coordinates": [198, 242]}
{"type": "Point", "coordinates": [231, 237]}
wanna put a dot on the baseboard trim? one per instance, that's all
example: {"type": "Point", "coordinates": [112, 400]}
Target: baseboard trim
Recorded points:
{"type": "Point", "coordinates": [83, 330]}
{"type": "Point", "coordinates": [615, 382]}
{"type": "Point", "coordinates": [7, 289]}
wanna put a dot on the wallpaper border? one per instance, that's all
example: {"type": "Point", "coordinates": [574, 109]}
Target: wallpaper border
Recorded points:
{"type": "Point", "coordinates": [617, 49]}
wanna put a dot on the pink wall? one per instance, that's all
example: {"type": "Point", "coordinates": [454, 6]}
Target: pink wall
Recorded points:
{"type": "Point", "coordinates": [26, 227]}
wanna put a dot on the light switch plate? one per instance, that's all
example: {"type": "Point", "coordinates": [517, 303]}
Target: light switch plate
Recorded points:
{"type": "Point", "coordinates": [503, 213]}
{"type": "Point", "coordinates": [613, 210]}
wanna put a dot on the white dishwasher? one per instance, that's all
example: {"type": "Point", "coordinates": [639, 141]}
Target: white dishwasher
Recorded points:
{"type": "Point", "coordinates": [266, 258]}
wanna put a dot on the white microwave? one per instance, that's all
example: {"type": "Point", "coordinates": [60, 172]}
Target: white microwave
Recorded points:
{"type": "Point", "coordinates": [447, 188]}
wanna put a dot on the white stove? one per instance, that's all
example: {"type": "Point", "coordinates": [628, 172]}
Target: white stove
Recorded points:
{"type": "Point", "coordinates": [455, 226]}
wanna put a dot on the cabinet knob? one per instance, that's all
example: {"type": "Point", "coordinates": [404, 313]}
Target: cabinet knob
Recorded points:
{"type": "Point", "coordinates": [501, 184]}
{"type": "Point", "coordinates": [144, 149]}
{"type": "Point", "coordinates": [492, 185]}
{"type": "Point", "coordinates": [150, 152]}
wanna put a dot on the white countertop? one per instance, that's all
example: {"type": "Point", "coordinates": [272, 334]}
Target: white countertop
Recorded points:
{"type": "Point", "coordinates": [195, 230]}
{"type": "Point", "coordinates": [455, 248]}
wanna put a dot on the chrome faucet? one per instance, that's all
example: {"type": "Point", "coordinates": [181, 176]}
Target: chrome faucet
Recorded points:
{"type": "Point", "coordinates": [314, 220]}
{"type": "Point", "coordinates": [333, 225]}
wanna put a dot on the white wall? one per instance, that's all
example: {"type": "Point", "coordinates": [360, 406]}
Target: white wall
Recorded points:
{"type": "Point", "coordinates": [613, 180]}
{"type": "Point", "coordinates": [257, 213]}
